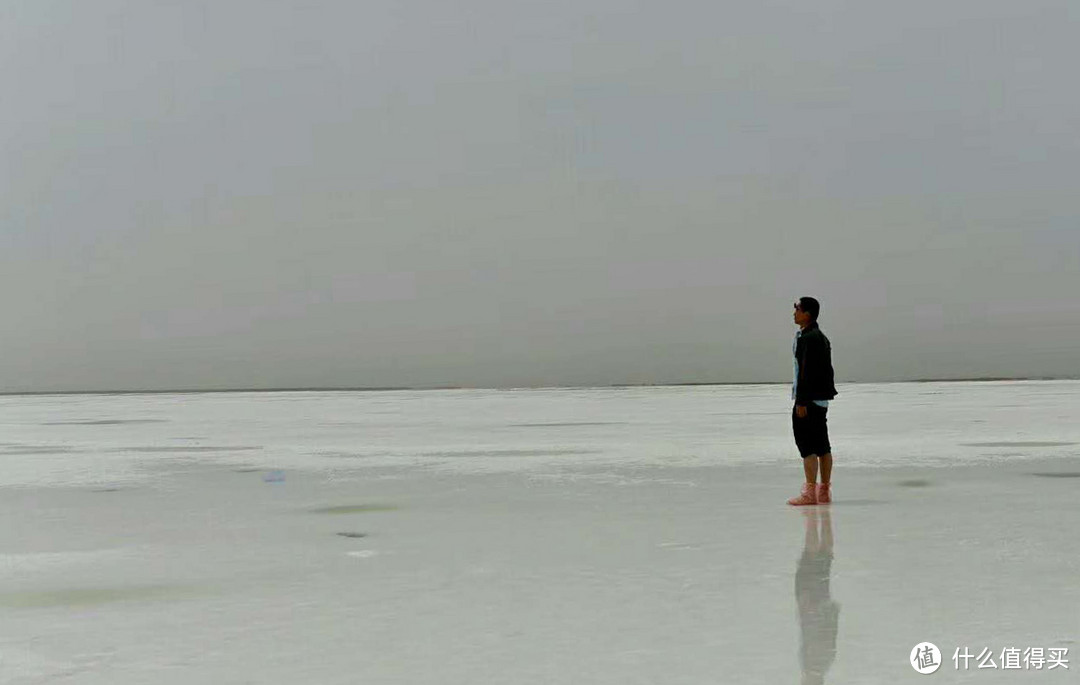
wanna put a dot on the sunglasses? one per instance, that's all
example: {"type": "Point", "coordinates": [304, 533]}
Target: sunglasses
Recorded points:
{"type": "Point", "coordinates": [797, 307]}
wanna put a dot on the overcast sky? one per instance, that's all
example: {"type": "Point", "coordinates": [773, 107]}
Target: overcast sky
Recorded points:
{"type": "Point", "coordinates": [506, 192]}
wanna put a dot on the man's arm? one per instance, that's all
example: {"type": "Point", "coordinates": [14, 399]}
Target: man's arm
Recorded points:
{"type": "Point", "coordinates": [808, 354]}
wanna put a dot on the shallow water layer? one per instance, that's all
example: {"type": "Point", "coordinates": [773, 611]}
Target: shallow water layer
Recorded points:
{"type": "Point", "coordinates": [653, 547]}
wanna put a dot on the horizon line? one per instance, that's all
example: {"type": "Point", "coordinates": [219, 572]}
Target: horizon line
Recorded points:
{"type": "Point", "coordinates": [193, 391]}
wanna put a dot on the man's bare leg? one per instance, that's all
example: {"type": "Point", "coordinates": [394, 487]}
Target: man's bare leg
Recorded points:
{"type": "Point", "coordinates": [810, 467]}
{"type": "Point", "coordinates": [826, 468]}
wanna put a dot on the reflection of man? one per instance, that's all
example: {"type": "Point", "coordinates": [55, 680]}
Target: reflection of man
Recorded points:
{"type": "Point", "coordinates": [818, 613]}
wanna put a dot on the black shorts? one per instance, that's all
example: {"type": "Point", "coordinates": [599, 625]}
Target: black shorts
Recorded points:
{"type": "Point", "coordinates": [811, 431]}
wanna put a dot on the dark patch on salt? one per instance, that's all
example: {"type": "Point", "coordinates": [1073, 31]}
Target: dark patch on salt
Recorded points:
{"type": "Point", "coordinates": [353, 535]}
{"type": "Point", "coordinates": [568, 423]}
{"type": "Point", "coordinates": [1060, 474]}
{"type": "Point", "coordinates": [507, 453]}
{"type": "Point", "coordinates": [103, 422]}
{"type": "Point", "coordinates": [340, 455]}
{"type": "Point", "coordinates": [83, 597]}
{"type": "Point", "coordinates": [44, 449]}
{"type": "Point", "coordinates": [915, 483]}
{"type": "Point", "coordinates": [191, 448]}
{"type": "Point", "coordinates": [353, 509]}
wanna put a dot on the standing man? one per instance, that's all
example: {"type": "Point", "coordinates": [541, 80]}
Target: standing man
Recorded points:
{"type": "Point", "coordinates": [812, 389]}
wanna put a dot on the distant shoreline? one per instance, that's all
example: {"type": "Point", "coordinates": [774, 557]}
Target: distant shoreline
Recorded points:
{"type": "Point", "coordinates": [198, 391]}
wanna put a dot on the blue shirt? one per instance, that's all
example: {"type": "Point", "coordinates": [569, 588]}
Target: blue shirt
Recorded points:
{"type": "Point", "coordinates": [795, 383]}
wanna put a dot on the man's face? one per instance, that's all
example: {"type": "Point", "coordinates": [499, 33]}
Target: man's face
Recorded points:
{"type": "Point", "coordinates": [801, 318]}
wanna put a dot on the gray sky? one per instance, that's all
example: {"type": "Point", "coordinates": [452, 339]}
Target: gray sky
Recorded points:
{"type": "Point", "coordinates": [507, 192]}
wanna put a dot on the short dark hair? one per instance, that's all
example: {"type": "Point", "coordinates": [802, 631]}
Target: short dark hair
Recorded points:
{"type": "Point", "coordinates": [810, 306]}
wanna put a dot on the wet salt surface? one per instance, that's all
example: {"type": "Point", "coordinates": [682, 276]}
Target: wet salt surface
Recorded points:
{"type": "Point", "coordinates": [655, 557]}
{"type": "Point", "coordinates": [106, 439]}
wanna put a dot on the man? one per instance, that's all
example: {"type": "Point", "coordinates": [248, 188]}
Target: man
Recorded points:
{"type": "Point", "coordinates": [812, 389]}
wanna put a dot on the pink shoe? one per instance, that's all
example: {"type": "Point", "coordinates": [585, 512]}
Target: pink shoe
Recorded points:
{"type": "Point", "coordinates": [823, 494]}
{"type": "Point", "coordinates": [807, 496]}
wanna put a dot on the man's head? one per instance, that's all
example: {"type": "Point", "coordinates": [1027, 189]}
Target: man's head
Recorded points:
{"type": "Point", "coordinates": [806, 311]}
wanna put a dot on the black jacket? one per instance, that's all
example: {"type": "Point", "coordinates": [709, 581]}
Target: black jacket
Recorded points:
{"type": "Point", "coordinates": [814, 354]}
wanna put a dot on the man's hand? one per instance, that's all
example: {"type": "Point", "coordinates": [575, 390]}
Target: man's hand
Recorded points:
{"type": "Point", "coordinates": [800, 411]}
